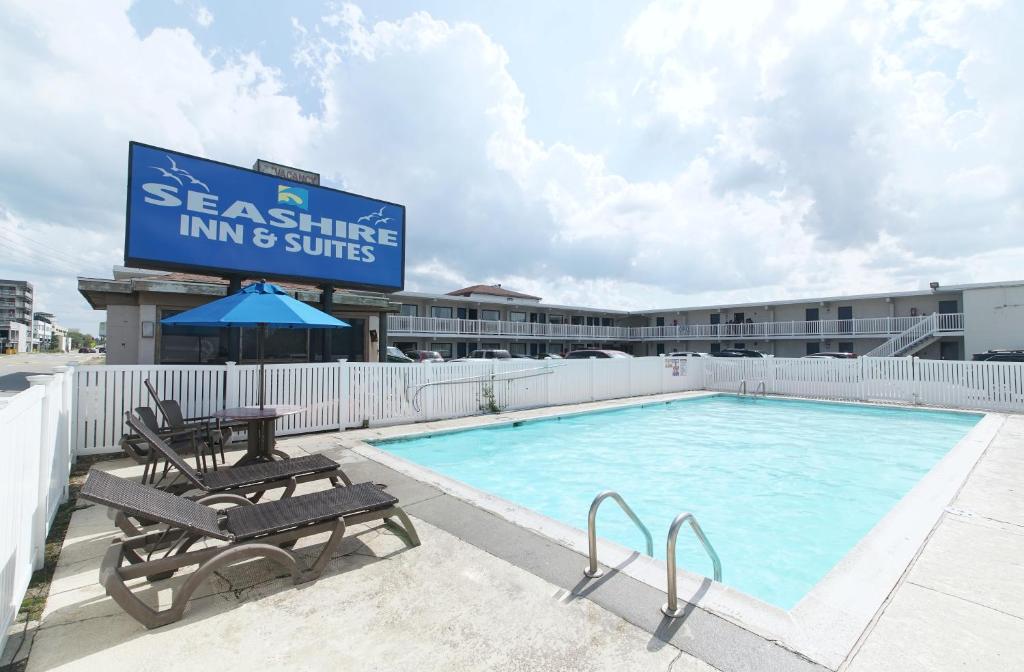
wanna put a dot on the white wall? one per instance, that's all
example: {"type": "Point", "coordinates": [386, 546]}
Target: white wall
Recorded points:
{"type": "Point", "coordinates": [123, 334]}
{"type": "Point", "coordinates": [993, 318]}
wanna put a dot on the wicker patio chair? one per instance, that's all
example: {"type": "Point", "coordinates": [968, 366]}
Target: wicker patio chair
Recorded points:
{"type": "Point", "coordinates": [218, 432]}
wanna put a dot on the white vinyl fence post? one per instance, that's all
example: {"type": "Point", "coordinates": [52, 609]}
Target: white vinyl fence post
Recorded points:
{"type": "Point", "coordinates": [547, 382]}
{"type": "Point", "coordinates": [231, 385]}
{"type": "Point", "coordinates": [45, 458]}
{"type": "Point", "coordinates": [344, 394]}
{"type": "Point", "coordinates": [65, 445]}
{"type": "Point", "coordinates": [861, 383]}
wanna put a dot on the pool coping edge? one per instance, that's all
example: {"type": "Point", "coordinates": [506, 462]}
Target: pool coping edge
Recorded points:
{"type": "Point", "coordinates": [827, 623]}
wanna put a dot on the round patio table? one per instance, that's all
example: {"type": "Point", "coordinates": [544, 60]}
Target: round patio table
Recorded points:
{"type": "Point", "coordinates": [260, 427]}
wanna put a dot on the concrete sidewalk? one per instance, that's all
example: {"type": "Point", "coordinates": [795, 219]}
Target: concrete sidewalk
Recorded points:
{"type": "Point", "coordinates": [960, 605]}
{"type": "Point", "coordinates": [445, 605]}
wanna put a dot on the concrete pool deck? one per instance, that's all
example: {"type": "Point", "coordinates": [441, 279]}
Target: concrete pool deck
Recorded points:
{"type": "Point", "coordinates": [484, 593]}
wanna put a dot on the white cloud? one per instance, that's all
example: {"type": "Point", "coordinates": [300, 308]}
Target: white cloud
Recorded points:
{"type": "Point", "coordinates": [768, 152]}
{"type": "Point", "coordinates": [204, 17]}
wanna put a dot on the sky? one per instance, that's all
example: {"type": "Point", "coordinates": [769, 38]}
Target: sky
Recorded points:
{"type": "Point", "coordinates": [616, 154]}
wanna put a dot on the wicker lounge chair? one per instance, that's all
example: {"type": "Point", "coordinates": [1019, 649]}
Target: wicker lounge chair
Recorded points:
{"type": "Point", "coordinates": [232, 483]}
{"type": "Point", "coordinates": [248, 531]}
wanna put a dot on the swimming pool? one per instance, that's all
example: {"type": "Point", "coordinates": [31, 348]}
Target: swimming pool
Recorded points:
{"type": "Point", "coordinates": [783, 488]}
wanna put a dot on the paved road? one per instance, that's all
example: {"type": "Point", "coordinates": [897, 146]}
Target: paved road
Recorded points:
{"type": "Point", "coordinates": [15, 369]}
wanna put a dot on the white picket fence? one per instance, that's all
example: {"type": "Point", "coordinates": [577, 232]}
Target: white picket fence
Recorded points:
{"type": "Point", "coordinates": [991, 386]}
{"type": "Point", "coordinates": [342, 395]}
{"type": "Point", "coordinates": [81, 411]}
{"type": "Point", "coordinates": [35, 463]}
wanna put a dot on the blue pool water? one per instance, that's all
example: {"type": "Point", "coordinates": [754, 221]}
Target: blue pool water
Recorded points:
{"type": "Point", "coordinates": [782, 488]}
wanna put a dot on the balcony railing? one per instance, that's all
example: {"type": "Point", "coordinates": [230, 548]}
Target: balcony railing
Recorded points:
{"type": "Point", "coordinates": [405, 324]}
{"type": "Point", "coordinates": [857, 327]}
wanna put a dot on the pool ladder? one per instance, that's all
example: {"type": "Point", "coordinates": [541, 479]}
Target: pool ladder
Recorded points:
{"type": "Point", "coordinates": [671, 607]}
{"type": "Point", "coordinates": [761, 387]}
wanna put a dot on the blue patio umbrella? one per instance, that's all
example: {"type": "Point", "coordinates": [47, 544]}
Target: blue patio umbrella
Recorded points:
{"type": "Point", "coordinates": [257, 305]}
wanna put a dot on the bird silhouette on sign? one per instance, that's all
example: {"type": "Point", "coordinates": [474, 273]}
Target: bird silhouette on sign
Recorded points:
{"type": "Point", "coordinates": [181, 171]}
{"type": "Point", "coordinates": [175, 168]}
{"type": "Point", "coordinates": [166, 174]}
{"type": "Point", "coordinates": [193, 180]}
{"type": "Point", "coordinates": [375, 217]}
{"type": "Point", "coordinates": [383, 220]}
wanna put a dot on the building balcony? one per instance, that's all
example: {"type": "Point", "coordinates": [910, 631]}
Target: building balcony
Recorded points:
{"type": "Point", "coordinates": [865, 327]}
{"type": "Point", "coordinates": [406, 325]}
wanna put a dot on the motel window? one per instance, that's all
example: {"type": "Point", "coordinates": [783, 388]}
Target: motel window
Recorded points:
{"type": "Point", "coordinates": [517, 348]}
{"type": "Point", "coordinates": [716, 318]}
{"type": "Point", "coordinates": [813, 348]}
{"type": "Point", "coordinates": [441, 311]}
{"type": "Point", "coordinates": [280, 345]}
{"type": "Point", "coordinates": [716, 347]}
{"type": "Point", "coordinates": [493, 315]}
{"type": "Point", "coordinates": [410, 310]}
{"type": "Point", "coordinates": [607, 322]}
{"type": "Point", "coordinates": [556, 319]}
{"type": "Point", "coordinates": [739, 346]}
{"type": "Point", "coordinates": [191, 345]}
{"type": "Point", "coordinates": [845, 346]}
{"type": "Point", "coordinates": [349, 343]}
{"type": "Point", "coordinates": [514, 316]}
{"type": "Point", "coordinates": [576, 319]}
{"type": "Point", "coordinates": [491, 346]}
{"type": "Point", "coordinates": [444, 348]}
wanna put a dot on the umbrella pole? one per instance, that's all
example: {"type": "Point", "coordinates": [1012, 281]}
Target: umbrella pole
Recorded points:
{"type": "Point", "coordinates": [259, 353]}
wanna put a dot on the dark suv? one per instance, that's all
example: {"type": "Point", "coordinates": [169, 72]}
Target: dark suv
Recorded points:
{"type": "Point", "coordinates": [1000, 356]}
{"type": "Point", "coordinates": [735, 352]}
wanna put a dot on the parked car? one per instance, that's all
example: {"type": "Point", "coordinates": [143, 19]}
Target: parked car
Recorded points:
{"type": "Point", "coordinates": [736, 352]}
{"type": "Point", "coordinates": [548, 355]}
{"type": "Point", "coordinates": [831, 355]}
{"type": "Point", "coordinates": [999, 356]}
{"type": "Point", "coordinates": [490, 354]}
{"type": "Point", "coordinates": [687, 353]}
{"type": "Point", "coordinates": [599, 354]}
{"type": "Point", "coordinates": [396, 356]}
{"type": "Point", "coordinates": [521, 357]}
{"type": "Point", "coordinates": [424, 355]}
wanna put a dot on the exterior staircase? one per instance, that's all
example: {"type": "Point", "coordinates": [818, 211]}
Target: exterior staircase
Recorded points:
{"type": "Point", "coordinates": [921, 334]}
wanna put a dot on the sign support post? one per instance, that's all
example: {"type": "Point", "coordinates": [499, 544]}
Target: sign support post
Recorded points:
{"type": "Point", "coordinates": [326, 303]}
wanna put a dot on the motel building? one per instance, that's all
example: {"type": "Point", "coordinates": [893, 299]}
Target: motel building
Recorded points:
{"type": "Point", "coordinates": [943, 322]}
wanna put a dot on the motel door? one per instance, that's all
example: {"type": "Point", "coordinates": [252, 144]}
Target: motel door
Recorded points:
{"type": "Point", "coordinates": [845, 315]}
{"type": "Point", "coordinates": [811, 316]}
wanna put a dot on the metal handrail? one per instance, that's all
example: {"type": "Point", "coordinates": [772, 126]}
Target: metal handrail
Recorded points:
{"type": "Point", "coordinates": [743, 388]}
{"type": "Point", "coordinates": [764, 389]}
{"type": "Point", "coordinates": [671, 607]}
{"type": "Point", "coordinates": [593, 571]}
